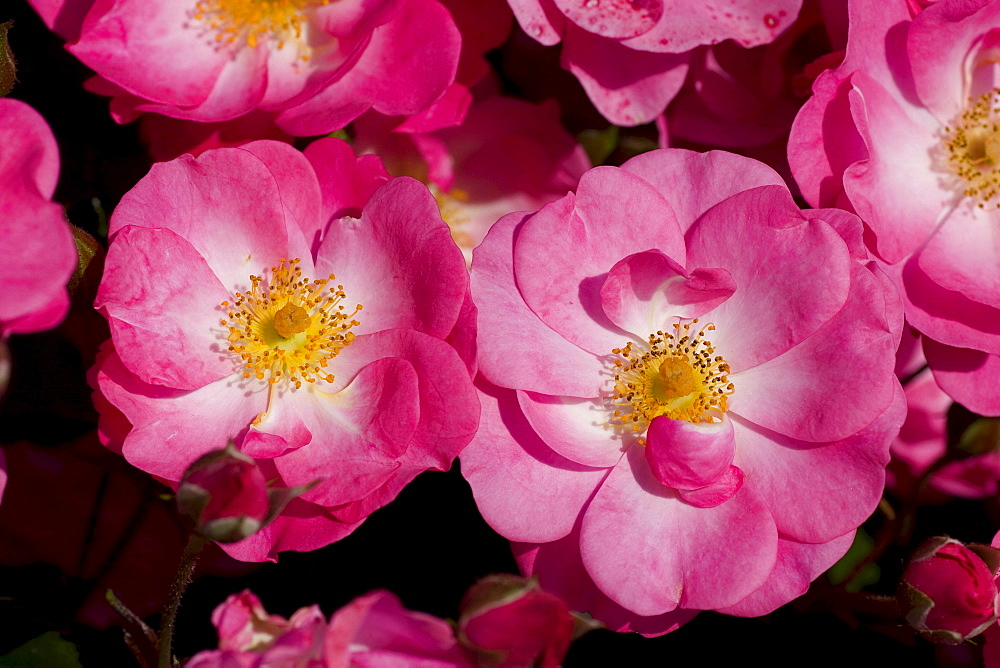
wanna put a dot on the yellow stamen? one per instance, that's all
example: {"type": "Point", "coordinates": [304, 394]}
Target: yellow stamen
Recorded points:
{"type": "Point", "coordinates": [972, 144]}
{"type": "Point", "coordinates": [679, 377]}
{"type": "Point", "coordinates": [290, 329]}
{"type": "Point", "coordinates": [251, 22]}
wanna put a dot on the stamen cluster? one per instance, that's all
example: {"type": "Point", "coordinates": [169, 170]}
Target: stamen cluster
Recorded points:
{"type": "Point", "coordinates": [973, 146]}
{"type": "Point", "coordinates": [289, 328]}
{"type": "Point", "coordinates": [679, 376]}
{"type": "Point", "coordinates": [239, 22]}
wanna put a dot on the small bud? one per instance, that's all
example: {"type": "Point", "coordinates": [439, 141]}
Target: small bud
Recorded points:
{"type": "Point", "coordinates": [508, 620]}
{"type": "Point", "coordinates": [947, 592]}
{"type": "Point", "coordinates": [225, 494]}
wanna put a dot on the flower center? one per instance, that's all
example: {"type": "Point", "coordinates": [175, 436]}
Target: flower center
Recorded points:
{"type": "Point", "coordinates": [973, 146]}
{"type": "Point", "coordinates": [679, 376]}
{"type": "Point", "coordinates": [290, 329]}
{"type": "Point", "coordinates": [249, 22]}
{"type": "Point", "coordinates": [453, 213]}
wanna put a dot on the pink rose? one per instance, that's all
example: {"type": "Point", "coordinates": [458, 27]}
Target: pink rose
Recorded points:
{"type": "Point", "coordinates": [317, 64]}
{"type": "Point", "coordinates": [698, 410]}
{"type": "Point", "coordinates": [240, 309]}
{"type": "Point", "coordinates": [947, 591]}
{"type": "Point", "coordinates": [903, 133]}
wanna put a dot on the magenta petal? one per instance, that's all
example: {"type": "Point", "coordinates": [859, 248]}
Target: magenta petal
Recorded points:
{"type": "Point", "coordinates": [644, 290]}
{"type": "Point", "coordinates": [278, 430]}
{"type": "Point", "coordinates": [502, 310]}
{"type": "Point", "coordinates": [628, 87]}
{"type": "Point", "coordinates": [615, 19]}
{"type": "Point", "coordinates": [399, 261]}
{"type": "Point", "coordinates": [687, 455]}
{"type": "Point", "coordinates": [540, 19]}
{"type": "Point", "coordinates": [346, 181]}
{"type": "Point", "coordinates": [841, 377]}
{"type": "Point", "coordinates": [970, 377]}
{"type": "Point", "coordinates": [163, 304]}
{"type": "Point", "coordinates": [30, 156]}
{"type": "Point", "coordinates": [565, 250]}
{"type": "Point", "coordinates": [798, 564]}
{"type": "Point", "coordinates": [524, 490]}
{"type": "Point", "coordinates": [716, 492]}
{"type": "Point", "coordinates": [302, 527]}
{"type": "Point", "coordinates": [650, 552]}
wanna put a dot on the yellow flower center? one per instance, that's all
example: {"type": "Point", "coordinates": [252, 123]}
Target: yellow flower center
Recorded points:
{"type": "Point", "coordinates": [239, 22]}
{"type": "Point", "coordinates": [679, 376]}
{"type": "Point", "coordinates": [453, 213]}
{"type": "Point", "coordinates": [973, 149]}
{"type": "Point", "coordinates": [291, 328]}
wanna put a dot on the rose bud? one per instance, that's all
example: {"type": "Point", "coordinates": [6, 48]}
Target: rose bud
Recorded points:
{"type": "Point", "coordinates": [507, 620]}
{"type": "Point", "coordinates": [947, 592]}
{"type": "Point", "coordinates": [226, 495]}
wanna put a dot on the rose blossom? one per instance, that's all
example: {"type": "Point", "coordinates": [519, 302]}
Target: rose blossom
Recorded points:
{"type": "Point", "coordinates": [904, 133]}
{"type": "Point", "coordinates": [675, 428]}
{"type": "Point", "coordinates": [228, 322]}
{"type": "Point", "coordinates": [630, 55]}
{"type": "Point", "coordinates": [319, 63]}
{"type": "Point", "coordinates": [38, 255]}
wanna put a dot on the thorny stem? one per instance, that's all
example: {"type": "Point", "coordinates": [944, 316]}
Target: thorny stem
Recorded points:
{"type": "Point", "coordinates": [184, 571]}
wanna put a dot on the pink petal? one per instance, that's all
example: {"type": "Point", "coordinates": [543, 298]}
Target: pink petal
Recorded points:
{"type": "Point", "coordinates": [30, 157]}
{"type": "Point", "coordinates": [798, 564]}
{"type": "Point", "coordinates": [523, 489]}
{"type": "Point", "coordinates": [540, 19]}
{"type": "Point", "coordinates": [841, 377]}
{"type": "Point", "coordinates": [818, 492]}
{"type": "Point", "coordinates": [163, 303]}
{"type": "Point", "coordinates": [807, 265]}
{"type": "Point", "coordinates": [502, 310]}
{"type": "Point", "coordinates": [686, 455]}
{"type": "Point", "coordinates": [970, 377]}
{"type": "Point", "coordinates": [719, 175]}
{"type": "Point", "coordinates": [563, 253]}
{"type": "Point", "coordinates": [577, 429]}
{"type": "Point", "coordinates": [644, 290]}
{"type": "Point", "coordinates": [716, 492]}
{"type": "Point", "coordinates": [964, 255]}
{"type": "Point", "coordinates": [628, 87]}
{"type": "Point", "coordinates": [346, 181]}
{"type": "Point", "coordinates": [615, 19]}
{"type": "Point", "coordinates": [650, 552]}
{"type": "Point", "coordinates": [383, 259]}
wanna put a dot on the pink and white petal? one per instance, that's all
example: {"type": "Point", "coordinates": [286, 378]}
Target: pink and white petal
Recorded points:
{"type": "Point", "coordinates": [614, 19]}
{"type": "Point", "coordinates": [650, 552]}
{"type": "Point", "coordinates": [172, 428]}
{"type": "Point", "coordinates": [564, 252]}
{"type": "Point", "coordinates": [540, 19]}
{"type": "Point", "coordinates": [30, 156]}
{"type": "Point", "coordinates": [688, 455]}
{"type": "Point", "coordinates": [560, 570]}
{"type": "Point", "coordinates": [816, 492]}
{"type": "Point", "coordinates": [897, 190]}
{"type": "Point", "coordinates": [407, 65]}
{"type": "Point", "coordinates": [719, 175]}
{"type": "Point", "coordinates": [148, 49]}
{"type": "Point", "coordinates": [298, 188]}
{"type": "Point", "coordinates": [688, 25]}
{"type": "Point", "coordinates": [939, 45]}
{"type": "Point", "coordinates": [970, 377]}
{"type": "Point", "coordinates": [769, 249]}
{"type": "Point", "coordinates": [798, 564]}
{"type": "Point", "coordinates": [238, 89]}
{"type": "Point", "coordinates": [628, 87]}
{"type": "Point", "coordinates": [577, 429]}
{"type": "Point", "coordinates": [964, 254]}
{"type": "Point", "coordinates": [343, 19]}
{"type": "Point", "coordinates": [546, 363]}
{"type": "Point", "coordinates": [277, 430]}
{"type": "Point", "coordinates": [163, 304]}
{"type": "Point", "coordinates": [523, 489]}
{"type": "Point", "coordinates": [834, 383]}
{"type": "Point", "coordinates": [399, 261]}
{"type": "Point", "coordinates": [236, 224]}
{"type": "Point", "coordinates": [945, 315]}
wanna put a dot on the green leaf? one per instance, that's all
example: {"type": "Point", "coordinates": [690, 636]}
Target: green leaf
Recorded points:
{"type": "Point", "coordinates": [48, 650]}
{"type": "Point", "coordinates": [599, 143]}
{"type": "Point", "coordinates": [840, 571]}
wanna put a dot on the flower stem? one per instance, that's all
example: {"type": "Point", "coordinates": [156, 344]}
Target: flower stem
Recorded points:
{"type": "Point", "coordinates": [191, 553]}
